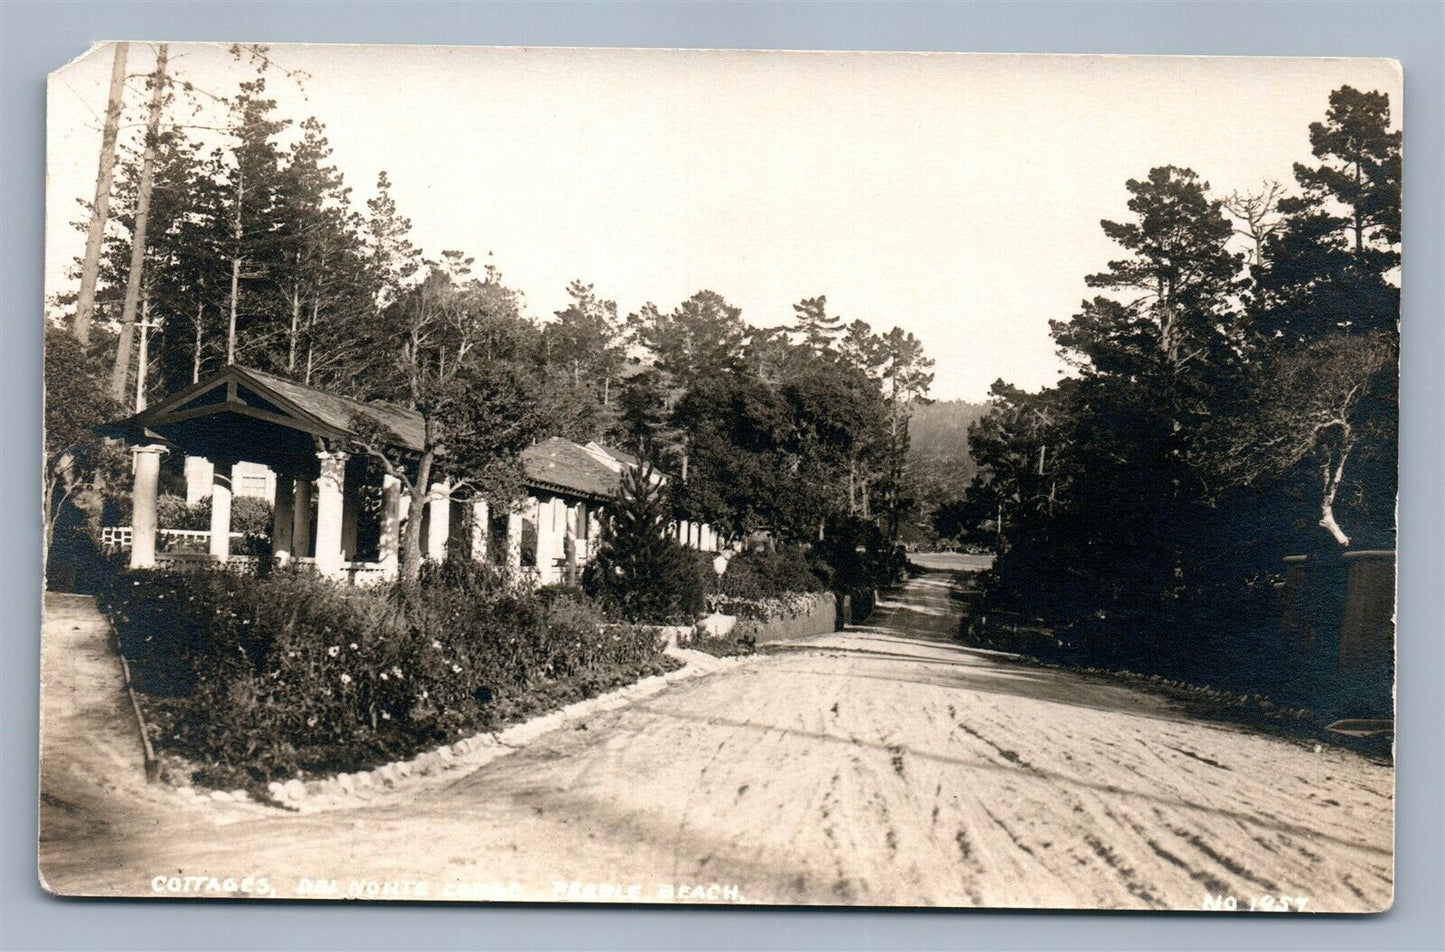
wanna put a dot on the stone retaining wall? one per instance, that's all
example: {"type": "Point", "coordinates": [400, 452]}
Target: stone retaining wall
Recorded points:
{"type": "Point", "coordinates": [820, 618]}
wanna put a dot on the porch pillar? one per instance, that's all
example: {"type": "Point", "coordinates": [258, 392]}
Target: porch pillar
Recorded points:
{"type": "Point", "coordinates": [439, 517]}
{"type": "Point", "coordinates": [594, 532]}
{"type": "Point", "coordinates": [514, 538]}
{"type": "Point", "coordinates": [684, 532]}
{"type": "Point", "coordinates": [301, 518]}
{"type": "Point", "coordinates": [547, 541]}
{"type": "Point", "coordinates": [283, 518]}
{"type": "Point", "coordinates": [198, 479]}
{"type": "Point", "coordinates": [390, 542]}
{"type": "Point", "coordinates": [221, 510]}
{"type": "Point", "coordinates": [350, 507]}
{"type": "Point", "coordinates": [330, 489]}
{"type": "Point", "coordinates": [147, 467]}
{"type": "Point", "coordinates": [570, 555]}
{"type": "Point", "coordinates": [481, 528]}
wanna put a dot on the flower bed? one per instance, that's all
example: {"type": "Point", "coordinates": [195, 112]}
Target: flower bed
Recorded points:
{"type": "Point", "coordinates": [251, 679]}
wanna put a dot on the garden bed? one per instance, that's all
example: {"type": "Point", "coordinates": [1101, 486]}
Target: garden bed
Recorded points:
{"type": "Point", "coordinates": [250, 680]}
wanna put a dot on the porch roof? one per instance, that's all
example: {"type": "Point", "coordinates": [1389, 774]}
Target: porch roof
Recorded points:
{"type": "Point", "coordinates": [244, 413]}
{"type": "Point", "coordinates": [561, 465]}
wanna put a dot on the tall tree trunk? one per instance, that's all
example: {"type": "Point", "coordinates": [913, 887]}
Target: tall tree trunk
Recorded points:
{"type": "Point", "coordinates": [1359, 223]}
{"type": "Point", "coordinates": [121, 369]}
{"type": "Point", "coordinates": [196, 360]}
{"type": "Point", "coordinates": [100, 205]}
{"type": "Point", "coordinates": [295, 329]}
{"type": "Point", "coordinates": [1333, 478]}
{"type": "Point", "coordinates": [410, 568]}
{"type": "Point", "coordinates": [142, 361]}
{"type": "Point", "coordinates": [237, 232]}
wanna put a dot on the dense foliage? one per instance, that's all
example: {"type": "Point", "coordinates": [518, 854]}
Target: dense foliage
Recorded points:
{"type": "Point", "coordinates": [1229, 408]}
{"type": "Point", "coordinates": [257, 678]}
{"type": "Point", "coordinates": [258, 252]}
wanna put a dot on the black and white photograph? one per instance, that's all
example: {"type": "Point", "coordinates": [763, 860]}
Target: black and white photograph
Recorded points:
{"type": "Point", "coordinates": [724, 477]}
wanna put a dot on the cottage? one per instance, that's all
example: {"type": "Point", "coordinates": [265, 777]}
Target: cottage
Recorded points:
{"type": "Point", "coordinates": [336, 509]}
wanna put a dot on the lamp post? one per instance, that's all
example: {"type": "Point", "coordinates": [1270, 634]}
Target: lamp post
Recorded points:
{"type": "Point", "coordinates": [719, 566]}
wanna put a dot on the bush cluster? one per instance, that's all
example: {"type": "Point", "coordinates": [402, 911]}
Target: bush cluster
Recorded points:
{"type": "Point", "coordinates": [260, 678]}
{"type": "Point", "coordinates": [760, 572]}
{"type": "Point", "coordinates": [249, 514]}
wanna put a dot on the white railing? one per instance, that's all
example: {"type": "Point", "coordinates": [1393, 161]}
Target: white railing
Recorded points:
{"type": "Point", "coordinates": [119, 537]}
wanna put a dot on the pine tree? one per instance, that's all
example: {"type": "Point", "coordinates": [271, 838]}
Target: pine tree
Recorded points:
{"type": "Point", "coordinates": [702, 336]}
{"type": "Point", "coordinates": [249, 216]}
{"type": "Point", "coordinates": [1329, 268]}
{"type": "Point", "coordinates": [641, 572]}
{"type": "Point", "coordinates": [820, 329]}
{"type": "Point", "coordinates": [321, 272]}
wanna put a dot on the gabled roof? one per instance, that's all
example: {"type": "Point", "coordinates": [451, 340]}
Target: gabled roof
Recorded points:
{"type": "Point", "coordinates": [245, 391]}
{"type": "Point", "coordinates": [405, 426]}
{"type": "Point", "coordinates": [562, 465]}
{"type": "Point", "coordinates": [617, 453]}
{"type": "Point", "coordinates": [226, 403]}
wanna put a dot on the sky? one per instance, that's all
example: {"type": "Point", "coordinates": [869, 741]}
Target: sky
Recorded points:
{"type": "Point", "coordinates": [955, 195]}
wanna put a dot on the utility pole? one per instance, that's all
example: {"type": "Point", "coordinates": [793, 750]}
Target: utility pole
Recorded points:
{"type": "Point", "coordinates": [138, 238]}
{"type": "Point", "coordinates": [142, 364]}
{"type": "Point", "coordinates": [100, 204]}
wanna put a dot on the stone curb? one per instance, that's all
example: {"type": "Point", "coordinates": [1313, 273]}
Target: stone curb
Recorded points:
{"type": "Point", "coordinates": [452, 761]}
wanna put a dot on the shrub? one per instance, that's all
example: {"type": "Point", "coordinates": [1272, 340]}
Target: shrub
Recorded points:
{"type": "Point", "coordinates": [641, 573]}
{"type": "Point", "coordinates": [742, 640]}
{"type": "Point", "coordinates": [761, 573]}
{"type": "Point", "coordinates": [249, 514]}
{"type": "Point", "coordinates": [259, 678]}
{"type": "Point", "coordinates": [173, 512]}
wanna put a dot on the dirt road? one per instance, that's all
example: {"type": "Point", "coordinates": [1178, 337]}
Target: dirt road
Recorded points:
{"type": "Point", "coordinates": [883, 765]}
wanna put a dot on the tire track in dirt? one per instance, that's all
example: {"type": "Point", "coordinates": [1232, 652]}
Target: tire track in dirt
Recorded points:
{"type": "Point", "coordinates": [882, 765]}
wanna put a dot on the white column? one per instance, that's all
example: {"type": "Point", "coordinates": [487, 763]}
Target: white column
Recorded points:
{"type": "Point", "coordinates": [438, 522]}
{"type": "Point", "coordinates": [221, 511]}
{"type": "Point", "coordinates": [481, 529]}
{"type": "Point", "coordinates": [198, 479]}
{"type": "Point", "coordinates": [594, 530]}
{"type": "Point", "coordinates": [390, 541]}
{"type": "Point", "coordinates": [301, 518]}
{"type": "Point", "coordinates": [684, 532]}
{"type": "Point", "coordinates": [330, 490]}
{"type": "Point", "coordinates": [514, 538]}
{"type": "Point", "coordinates": [546, 541]}
{"type": "Point", "coordinates": [571, 544]}
{"type": "Point", "coordinates": [581, 530]}
{"type": "Point", "coordinates": [147, 466]}
{"type": "Point", "coordinates": [283, 518]}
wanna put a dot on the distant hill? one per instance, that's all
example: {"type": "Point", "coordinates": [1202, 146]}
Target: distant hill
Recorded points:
{"type": "Point", "coordinates": [939, 444]}
{"type": "Point", "coordinates": [939, 458]}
